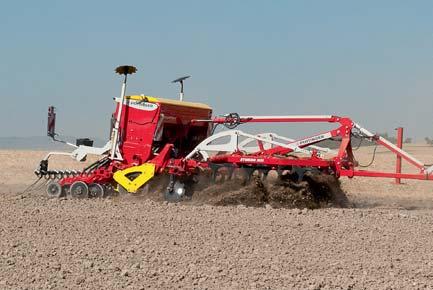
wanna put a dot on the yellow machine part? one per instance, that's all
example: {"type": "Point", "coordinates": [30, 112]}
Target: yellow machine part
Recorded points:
{"type": "Point", "coordinates": [158, 100]}
{"type": "Point", "coordinates": [145, 172]}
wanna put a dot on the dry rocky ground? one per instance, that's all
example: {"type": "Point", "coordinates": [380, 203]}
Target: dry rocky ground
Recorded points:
{"type": "Point", "coordinates": [384, 242]}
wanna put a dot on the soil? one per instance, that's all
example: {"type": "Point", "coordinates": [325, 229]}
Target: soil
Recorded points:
{"type": "Point", "coordinates": [383, 241]}
{"type": "Point", "coordinates": [316, 191]}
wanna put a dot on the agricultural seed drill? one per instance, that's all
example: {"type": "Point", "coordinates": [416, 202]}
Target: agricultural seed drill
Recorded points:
{"type": "Point", "coordinates": [174, 139]}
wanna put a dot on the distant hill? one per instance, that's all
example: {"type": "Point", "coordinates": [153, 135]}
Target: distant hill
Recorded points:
{"type": "Point", "coordinates": [40, 143]}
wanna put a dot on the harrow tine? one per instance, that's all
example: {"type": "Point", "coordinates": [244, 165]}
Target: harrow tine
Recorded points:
{"type": "Point", "coordinates": [213, 175]}
{"type": "Point", "coordinates": [249, 173]}
{"type": "Point", "coordinates": [231, 170]}
{"type": "Point", "coordinates": [31, 185]}
{"type": "Point", "coordinates": [40, 186]}
{"type": "Point", "coordinates": [214, 171]}
{"type": "Point", "coordinates": [264, 174]}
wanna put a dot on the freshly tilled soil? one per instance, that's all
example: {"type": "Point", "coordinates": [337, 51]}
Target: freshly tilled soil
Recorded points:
{"type": "Point", "coordinates": [122, 243]}
{"type": "Point", "coordinates": [129, 242]}
{"type": "Point", "coordinates": [314, 191]}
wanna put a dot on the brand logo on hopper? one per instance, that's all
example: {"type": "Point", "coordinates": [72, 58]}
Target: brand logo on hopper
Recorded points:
{"type": "Point", "coordinates": [142, 105]}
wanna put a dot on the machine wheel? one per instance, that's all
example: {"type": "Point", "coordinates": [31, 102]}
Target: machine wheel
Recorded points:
{"type": "Point", "coordinates": [96, 190]}
{"type": "Point", "coordinates": [145, 189]}
{"type": "Point", "coordinates": [79, 189]}
{"type": "Point", "coordinates": [54, 190]}
{"type": "Point", "coordinates": [176, 193]}
{"type": "Point", "coordinates": [109, 190]}
{"type": "Point", "coordinates": [122, 190]}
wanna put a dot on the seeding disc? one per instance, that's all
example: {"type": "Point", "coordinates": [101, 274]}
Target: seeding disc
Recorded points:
{"type": "Point", "coordinates": [96, 190]}
{"type": "Point", "coordinates": [54, 189]}
{"type": "Point", "coordinates": [122, 190]}
{"type": "Point", "coordinates": [177, 193]}
{"type": "Point", "coordinates": [79, 189]}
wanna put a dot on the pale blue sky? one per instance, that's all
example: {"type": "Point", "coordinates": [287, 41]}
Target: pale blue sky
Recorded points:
{"type": "Point", "coordinates": [371, 60]}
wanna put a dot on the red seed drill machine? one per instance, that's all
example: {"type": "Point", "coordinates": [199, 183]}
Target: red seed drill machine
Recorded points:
{"type": "Point", "coordinates": [154, 137]}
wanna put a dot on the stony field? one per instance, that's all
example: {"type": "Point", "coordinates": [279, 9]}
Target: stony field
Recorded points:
{"type": "Point", "coordinates": [382, 241]}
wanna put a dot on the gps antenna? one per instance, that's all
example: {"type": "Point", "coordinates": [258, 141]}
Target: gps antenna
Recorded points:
{"type": "Point", "coordinates": [180, 80]}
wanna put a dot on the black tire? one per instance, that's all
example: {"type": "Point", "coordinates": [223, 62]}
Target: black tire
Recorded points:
{"type": "Point", "coordinates": [79, 189]}
{"type": "Point", "coordinates": [96, 190]}
{"type": "Point", "coordinates": [54, 190]}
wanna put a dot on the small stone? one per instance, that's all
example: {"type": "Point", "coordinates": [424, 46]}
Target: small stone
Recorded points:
{"type": "Point", "coordinates": [268, 206]}
{"type": "Point", "coordinates": [57, 267]}
{"type": "Point", "coordinates": [88, 264]}
{"type": "Point", "coordinates": [125, 273]}
{"type": "Point", "coordinates": [136, 266]}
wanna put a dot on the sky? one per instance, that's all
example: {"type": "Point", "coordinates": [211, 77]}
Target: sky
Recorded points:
{"type": "Point", "coordinates": [369, 60]}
